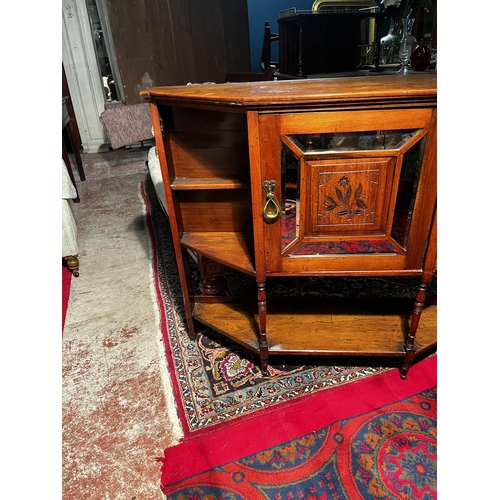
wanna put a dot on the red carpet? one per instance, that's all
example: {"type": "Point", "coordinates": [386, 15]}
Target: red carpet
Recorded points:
{"type": "Point", "coordinates": [374, 438]}
{"type": "Point", "coordinates": [66, 284]}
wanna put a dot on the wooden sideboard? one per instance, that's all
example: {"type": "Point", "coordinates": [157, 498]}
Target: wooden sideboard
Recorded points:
{"type": "Point", "coordinates": [320, 177]}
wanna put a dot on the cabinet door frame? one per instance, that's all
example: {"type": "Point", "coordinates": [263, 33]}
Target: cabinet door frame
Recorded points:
{"type": "Point", "coordinates": [274, 128]}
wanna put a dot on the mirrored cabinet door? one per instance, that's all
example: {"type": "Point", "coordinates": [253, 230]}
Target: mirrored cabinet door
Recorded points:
{"type": "Point", "coordinates": [348, 193]}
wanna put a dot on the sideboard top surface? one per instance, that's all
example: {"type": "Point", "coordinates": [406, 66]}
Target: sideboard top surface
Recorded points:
{"type": "Point", "coordinates": [312, 92]}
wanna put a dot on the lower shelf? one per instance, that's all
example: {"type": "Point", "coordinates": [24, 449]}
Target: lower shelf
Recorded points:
{"type": "Point", "coordinates": [340, 327]}
{"type": "Point", "coordinates": [233, 249]}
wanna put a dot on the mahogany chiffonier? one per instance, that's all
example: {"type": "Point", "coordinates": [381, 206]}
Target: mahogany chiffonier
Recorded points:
{"type": "Point", "coordinates": [323, 177]}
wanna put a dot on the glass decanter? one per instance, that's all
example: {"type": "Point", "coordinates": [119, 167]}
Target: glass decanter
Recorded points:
{"type": "Point", "coordinates": [389, 44]}
{"type": "Point", "coordinates": [406, 47]}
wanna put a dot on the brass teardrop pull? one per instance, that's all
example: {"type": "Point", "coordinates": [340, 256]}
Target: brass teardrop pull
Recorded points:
{"type": "Point", "coordinates": [271, 210]}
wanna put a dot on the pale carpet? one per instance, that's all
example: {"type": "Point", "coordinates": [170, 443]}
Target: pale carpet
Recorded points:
{"type": "Point", "coordinates": [118, 407]}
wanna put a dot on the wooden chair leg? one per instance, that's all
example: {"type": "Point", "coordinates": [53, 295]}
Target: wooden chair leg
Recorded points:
{"type": "Point", "coordinates": [73, 264]}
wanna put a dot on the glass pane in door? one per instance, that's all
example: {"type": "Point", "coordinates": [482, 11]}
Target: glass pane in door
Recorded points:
{"type": "Point", "coordinates": [407, 190]}
{"type": "Point", "coordinates": [374, 140]}
{"type": "Point", "coordinates": [290, 199]}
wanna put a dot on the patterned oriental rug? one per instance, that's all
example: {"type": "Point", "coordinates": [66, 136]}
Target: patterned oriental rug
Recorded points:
{"type": "Point", "coordinates": [216, 381]}
{"type": "Point", "coordinates": [375, 438]}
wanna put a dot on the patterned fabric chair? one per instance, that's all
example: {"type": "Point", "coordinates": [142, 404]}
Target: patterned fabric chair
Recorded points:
{"type": "Point", "coordinates": [127, 124]}
{"type": "Point", "coordinates": [69, 230]}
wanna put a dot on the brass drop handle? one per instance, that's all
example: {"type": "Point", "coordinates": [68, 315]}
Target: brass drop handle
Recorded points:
{"type": "Point", "coordinates": [271, 210]}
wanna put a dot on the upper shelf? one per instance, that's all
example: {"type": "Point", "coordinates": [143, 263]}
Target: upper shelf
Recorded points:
{"type": "Point", "coordinates": [285, 94]}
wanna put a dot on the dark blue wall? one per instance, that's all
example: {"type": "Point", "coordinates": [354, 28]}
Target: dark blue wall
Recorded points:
{"type": "Point", "coordinates": [260, 11]}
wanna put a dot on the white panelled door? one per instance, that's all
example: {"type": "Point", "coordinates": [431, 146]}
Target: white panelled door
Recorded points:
{"type": "Point", "coordinates": [82, 72]}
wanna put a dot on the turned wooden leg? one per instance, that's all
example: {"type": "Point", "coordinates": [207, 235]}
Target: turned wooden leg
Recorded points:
{"type": "Point", "coordinates": [212, 281]}
{"type": "Point", "coordinates": [418, 306]}
{"type": "Point", "coordinates": [429, 270]}
{"type": "Point", "coordinates": [263, 346]}
{"type": "Point", "coordinates": [72, 261]}
{"type": "Point", "coordinates": [187, 292]}
{"type": "Point", "coordinates": [212, 276]}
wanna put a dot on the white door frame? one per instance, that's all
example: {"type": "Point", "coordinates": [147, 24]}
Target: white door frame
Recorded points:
{"type": "Point", "coordinates": [82, 72]}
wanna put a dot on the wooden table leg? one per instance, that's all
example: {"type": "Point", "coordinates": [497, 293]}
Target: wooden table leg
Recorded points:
{"type": "Point", "coordinates": [263, 345]}
{"type": "Point", "coordinates": [212, 276]}
{"type": "Point", "coordinates": [430, 263]}
{"type": "Point", "coordinates": [415, 319]}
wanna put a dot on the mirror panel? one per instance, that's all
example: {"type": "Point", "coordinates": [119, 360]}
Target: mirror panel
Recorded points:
{"type": "Point", "coordinates": [290, 197]}
{"type": "Point", "coordinates": [407, 190]}
{"type": "Point", "coordinates": [375, 140]}
{"type": "Point", "coordinates": [309, 152]}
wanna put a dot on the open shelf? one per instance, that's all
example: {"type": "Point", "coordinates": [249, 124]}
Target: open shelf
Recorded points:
{"type": "Point", "coordinates": [233, 249]}
{"type": "Point", "coordinates": [341, 327]}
